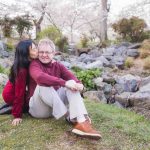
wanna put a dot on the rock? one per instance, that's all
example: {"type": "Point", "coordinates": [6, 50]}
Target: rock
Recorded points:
{"type": "Point", "coordinates": [100, 85]}
{"type": "Point", "coordinates": [123, 99]}
{"type": "Point", "coordinates": [121, 51]}
{"type": "Point", "coordinates": [125, 44]}
{"type": "Point", "coordinates": [80, 65]}
{"type": "Point", "coordinates": [95, 53]}
{"type": "Point", "coordinates": [66, 64]}
{"type": "Point", "coordinates": [88, 60]}
{"type": "Point", "coordinates": [98, 81]}
{"type": "Point", "coordinates": [133, 53]}
{"type": "Point", "coordinates": [140, 99]}
{"type": "Point", "coordinates": [105, 62]}
{"type": "Point", "coordinates": [145, 89]}
{"type": "Point", "coordinates": [58, 57]}
{"type": "Point", "coordinates": [96, 64]}
{"type": "Point", "coordinates": [128, 82]}
{"type": "Point", "coordinates": [144, 81]}
{"type": "Point", "coordinates": [108, 79]}
{"type": "Point", "coordinates": [6, 62]}
{"type": "Point", "coordinates": [107, 88]}
{"type": "Point", "coordinates": [2, 46]}
{"type": "Point", "coordinates": [119, 61]}
{"type": "Point", "coordinates": [135, 46]}
{"type": "Point", "coordinates": [108, 51]}
{"type": "Point", "coordinates": [96, 96]}
{"type": "Point", "coordinates": [4, 54]}
{"type": "Point", "coordinates": [3, 79]}
{"type": "Point", "coordinates": [119, 88]}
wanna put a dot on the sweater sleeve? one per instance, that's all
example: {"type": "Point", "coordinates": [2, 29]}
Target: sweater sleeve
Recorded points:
{"type": "Point", "coordinates": [67, 74]}
{"type": "Point", "coordinates": [43, 78]}
{"type": "Point", "coordinates": [20, 87]}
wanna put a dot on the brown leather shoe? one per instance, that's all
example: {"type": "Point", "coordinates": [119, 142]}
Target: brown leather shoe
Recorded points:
{"type": "Point", "coordinates": [85, 129]}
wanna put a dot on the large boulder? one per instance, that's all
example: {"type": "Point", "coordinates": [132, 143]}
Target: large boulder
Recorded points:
{"type": "Point", "coordinates": [128, 82]}
{"type": "Point", "coordinates": [123, 98]}
{"type": "Point", "coordinates": [95, 96]}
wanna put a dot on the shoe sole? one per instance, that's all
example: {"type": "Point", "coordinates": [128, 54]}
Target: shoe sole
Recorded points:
{"type": "Point", "coordinates": [6, 110]}
{"type": "Point", "coordinates": [83, 134]}
{"type": "Point", "coordinates": [4, 106]}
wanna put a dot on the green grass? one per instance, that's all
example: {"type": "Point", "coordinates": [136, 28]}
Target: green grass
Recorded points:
{"type": "Point", "coordinates": [120, 129]}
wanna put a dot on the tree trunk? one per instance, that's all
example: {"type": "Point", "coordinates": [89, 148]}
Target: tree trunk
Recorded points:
{"type": "Point", "coordinates": [38, 29]}
{"type": "Point", "coordinates": [103, 20]}
{"type": "Point", "coordinates": [38, 23]}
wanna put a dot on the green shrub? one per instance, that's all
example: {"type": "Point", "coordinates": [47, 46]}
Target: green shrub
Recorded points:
{"type": "Point", "coordinates": [145, 35]}
{"type": "Point", "coordinates": [2, 70]}
{"type": "Point", "coordinates": [10, 45]}
{"type": "Point", "coordinates": [87, 76]}
{"type": "Point", "coordinates": [131, 29]}
{"type": "Point", "coordinates": [50, 32]}
{"type": "Point", "coordinates": [147, 63]}
{"type": "Point", "coordinates": [129, 62]}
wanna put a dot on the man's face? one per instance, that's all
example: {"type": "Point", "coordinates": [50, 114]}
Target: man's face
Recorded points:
{"type": "Point", "coordinates": [46, 54]}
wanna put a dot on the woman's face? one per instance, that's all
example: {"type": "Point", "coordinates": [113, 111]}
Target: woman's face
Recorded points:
{"type": "Point", "coordinates": [33, 52]}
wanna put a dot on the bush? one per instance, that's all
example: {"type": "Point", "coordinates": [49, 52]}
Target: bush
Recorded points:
{"type": "Point", "coordinates": [144, 53]}
{"type": "Point", "coordinates": [83, 41]}
{"type": "Point", "coordinates": [10, 45]}
{"type": "Point", "coordinates": [62, 43]}
{"type": "Point", "coordinates": [87, 76]}
{"type": "Point", "coordinates": [145, 35]}
{"type": "Point", "coordinates": [131, 29]}
{"type": "Point", "coordinates": [2, 70]}
{"type": "Point", "coordinates": [145, 49]}
{"type": "Point", "coordinates": [50, 32]}
{"type": "Point", "coordinates": [129, 62]}
{"type": "Point", "coordinates": [146, 44]}
{"type": "Point", "coordinates": [147, 63]}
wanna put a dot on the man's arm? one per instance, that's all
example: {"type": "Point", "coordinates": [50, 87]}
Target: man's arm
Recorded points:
{"type": "Point", "coordinates": [43, 78]}
{"type": "Point", "coordinates": [67, 74]}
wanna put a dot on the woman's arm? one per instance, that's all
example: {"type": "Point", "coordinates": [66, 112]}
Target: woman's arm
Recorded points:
{"type": "Point", "coordinates": [20, 88]}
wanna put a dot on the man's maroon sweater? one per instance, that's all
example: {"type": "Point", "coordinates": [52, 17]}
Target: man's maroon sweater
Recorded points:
{"type": "Point", "coordinates": [51, 74]}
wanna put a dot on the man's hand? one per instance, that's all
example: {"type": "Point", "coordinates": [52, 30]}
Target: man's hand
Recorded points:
{"type": "Point", "coordinates": [71, 84]}
{"type": "Point", "coordinates": [79, 86]}
{"type": "Point", "coordinates": [16, 121]}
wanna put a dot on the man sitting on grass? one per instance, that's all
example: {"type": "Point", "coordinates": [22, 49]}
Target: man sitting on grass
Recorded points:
{"type": "Point", "coordinates": [55, 91]}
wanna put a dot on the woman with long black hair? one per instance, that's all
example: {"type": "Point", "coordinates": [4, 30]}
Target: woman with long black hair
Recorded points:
{"type": "Point", "coordinates": [14, 91]}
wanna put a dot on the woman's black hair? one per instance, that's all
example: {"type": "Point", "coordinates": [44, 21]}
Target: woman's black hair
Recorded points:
{"type": "Point", "coordinates": [21, 59]}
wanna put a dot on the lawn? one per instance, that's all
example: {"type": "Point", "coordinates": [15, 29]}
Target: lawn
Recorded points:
{"type": "Point", "coordinates": [120, 129]}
